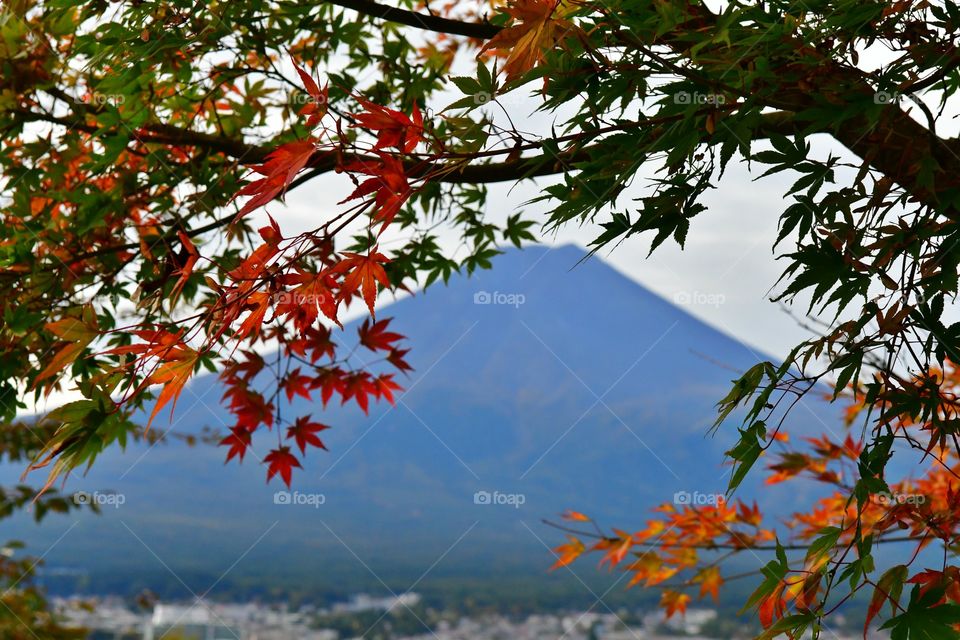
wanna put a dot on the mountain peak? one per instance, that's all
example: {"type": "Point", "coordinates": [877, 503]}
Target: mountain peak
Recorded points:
{"type": "Point", "coordinates": [558, 383]}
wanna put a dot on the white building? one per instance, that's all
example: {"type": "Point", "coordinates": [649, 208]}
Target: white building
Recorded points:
{"type": "Point", "coordinates": [194, 622]}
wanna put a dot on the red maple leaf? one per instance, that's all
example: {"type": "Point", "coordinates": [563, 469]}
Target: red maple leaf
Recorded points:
{"type": "Point", "coordinates": [376, 336]}
{"type": "Point", "coordinates": [330, 381]}
{"type": "Point", "coordinates": [238, 441]}
{"type": "Point", "coordinates": [384, 386]}
{"type": "Point", "coordinates": [312, 294]}
{"type": "Point", "coordinates": [388, 183]}
{"type": "Point", "coordinates": [363, 272]}
{"type": "Point", "coordinates": [395, 128]}
{"type": "Point", "coordinates": [278, 171]}
{"type": "Point", "coordinates": [295, 383]}
{"type": "Point", "coordinates": [245, 369]}
{"type": "Point", "coordinates": [396, 358]}
{"type": "Point", "coordinates": [317, 341]}
{"type": "Point", "coordinates": [358, 386]}
{"type": "Point", "coordinates": [281, 461]}
{"type": "Point", "coordinates": [305, 432]}
{"type": "Point", "coordinates": [185, 269]}
{"type": "Point", "coordinates": [317, 107]}
{"type": "Point", "coordinates": [249, 407]}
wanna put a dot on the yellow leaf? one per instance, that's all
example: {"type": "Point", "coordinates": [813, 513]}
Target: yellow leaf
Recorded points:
{"type": "Point", "coordinates": [567, 553]}
{"type": "Point", "coordinates": [710, 582]}
{"type": "Point", "coordinates": [673, 602]}
{"type": "Point", "coordinates": [539, 25]}
{"type": "Point", "coordinates": [173, 375]}
{"type": "Point", "coordinates": [77, 333]}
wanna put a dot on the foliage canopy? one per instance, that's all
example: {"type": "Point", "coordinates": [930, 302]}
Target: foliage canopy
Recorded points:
{"type": "Point", "coordinates": [140, 138]}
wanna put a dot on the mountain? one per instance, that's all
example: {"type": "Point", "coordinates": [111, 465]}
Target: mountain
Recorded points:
{"type": "Point", "coordinates": [545, 382]}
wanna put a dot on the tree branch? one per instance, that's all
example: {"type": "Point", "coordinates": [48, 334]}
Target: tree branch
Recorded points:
{"type": "Point", "coordinates": [480, 30]}
{"type": "Point", "coordinates": [894, 144]}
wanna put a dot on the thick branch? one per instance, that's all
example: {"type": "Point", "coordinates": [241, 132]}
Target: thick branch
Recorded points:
{"type": "Point", "coordinates": [322, 162]}
{"type": "Point", "coordinates": [480, 30]}
{"type": "Point", "coordinates": [897, 145]}
{"type": "Point", "coordinates": [159, 134]}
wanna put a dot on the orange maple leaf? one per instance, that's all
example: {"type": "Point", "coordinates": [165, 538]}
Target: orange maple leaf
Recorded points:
{"type": "Point", "coordinates": [258, 303]}
{"type": "Point", "coordinates": [888, 587]}
{"type": "Point", "coordinates": [710, 582]}
{"type": "Point", "coordinates": [673, 602]}
{"type": "Point", "coordinates": [394, 128]}
{"type": "Point", "coordinates": [77, 333]}
{"type": "Point", "coordinates": [773, 606]}
{"type": "Point", "coordinates": [540, 24]}
{"type": "Point", "coordinates": [186, 269]}
{"type": "Point", "coordinates": [176, 364]}
{"type": "Point", "coordinates": [278, 171]}
{"type": "Point", "coordinates": [567, 553]}
{"type": "Point", "coordinates": [388, 182]}
{"type": "Point", "coordinates": [173, 374]}
{"type": "Point", "coordinates": [617, 552]}
{"type": "Point", "coordinates": [363, 272]}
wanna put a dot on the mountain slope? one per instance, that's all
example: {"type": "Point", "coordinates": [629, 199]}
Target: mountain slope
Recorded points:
{"type": "Point", "coordinates": [572, 386]}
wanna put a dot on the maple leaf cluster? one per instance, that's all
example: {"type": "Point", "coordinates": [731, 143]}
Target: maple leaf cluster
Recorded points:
{"type": "Point", "coordinates": [310, 368]}
{"type": "Point", "coordinates": [287, 288]}
{"type": "Point", "coordinates": [288, 292]}
{"type": "Point", "coordinates": [283, 293]}
{"type": "Point", "coordinates": [537, 26]}
{"type": "Point", "coordinates": [836, 533]}
{"type": "Point", "coordinates": [670, 545]}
